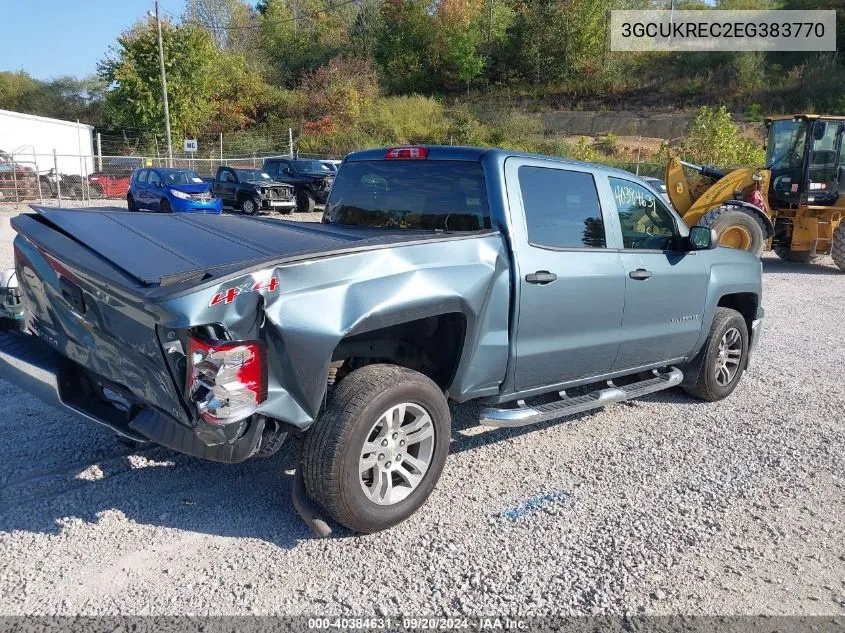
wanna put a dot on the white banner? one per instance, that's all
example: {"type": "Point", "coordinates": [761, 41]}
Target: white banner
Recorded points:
{"type": "Point", "coordinates": [716, 30]}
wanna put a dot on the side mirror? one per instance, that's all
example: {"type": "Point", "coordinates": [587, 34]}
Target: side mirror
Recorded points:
{"type": "Point", "coordinates": [288, 171]}
{"type": "Point", "coordinates": [702, 238]}
{"type": "Point", "coordinates": [819, 129]}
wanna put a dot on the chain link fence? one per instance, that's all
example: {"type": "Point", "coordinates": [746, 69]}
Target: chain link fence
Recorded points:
{"type": "Point", "coordinates": [40, 177]}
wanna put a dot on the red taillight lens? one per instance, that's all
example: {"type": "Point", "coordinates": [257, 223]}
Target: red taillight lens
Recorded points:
{"type": "Point", "coordinates": [407, 152]}
{"type": "Point", "coordinates": [227, 380]}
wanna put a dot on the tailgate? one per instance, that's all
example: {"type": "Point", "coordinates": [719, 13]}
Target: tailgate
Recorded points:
{"type": "Point", "coordinates": [98, 321]}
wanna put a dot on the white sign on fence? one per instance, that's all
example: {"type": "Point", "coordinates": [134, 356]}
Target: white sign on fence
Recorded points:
{"type": "Point", "coordinates": [190, 144]}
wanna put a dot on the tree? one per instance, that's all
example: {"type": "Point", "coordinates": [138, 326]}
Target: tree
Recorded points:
{"type": "Point", "coordinates": [299, 35]}
{"type": "Point", "coordinates": [66, 98]}
{"type": "Point", "coordinates": [462, 57]}
{"type": "Point", "coordinates": [406, 46]}
{"type": "Point", "coordinates": [342, 89]}
{"type": "Point", "coordinates": [134, 98]}
{"type": "Point", "coordinates": [232, 23]}
{"type": "Point", "coordinates": [713, 139]}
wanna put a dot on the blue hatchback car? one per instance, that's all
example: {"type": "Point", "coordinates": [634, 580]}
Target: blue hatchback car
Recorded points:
{"type": "Point", "coordinates": [171, 190]}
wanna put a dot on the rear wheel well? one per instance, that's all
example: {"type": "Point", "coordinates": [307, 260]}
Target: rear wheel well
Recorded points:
{"type": "Point", "coordinates": [431, 346]}
{"type": "Point", "coordinates": [743, 302]}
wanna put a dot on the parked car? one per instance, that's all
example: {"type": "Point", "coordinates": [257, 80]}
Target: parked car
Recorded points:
{"type": "Point", "coordinates": [311, 180]}
{"type": "Point", "coordinates": [171, 190]}
{"type": "Point", "coordinates": [443, 273]}
{"type": "Point", "coordinates": [332, 165]}
{"type": "Point", "coordinates": [251, 190]}
{"type": "Point", "coordinates": [113, 183]}
{"type": "Point", "coordinates": [658, 185]}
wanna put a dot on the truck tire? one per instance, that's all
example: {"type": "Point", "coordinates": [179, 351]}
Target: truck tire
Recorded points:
{"type": "Point", "coordinates": [305, 202]}
{"type": "Point", "coordinates": [249, 206]}
{"type": "Point", "coordinates": [801, 257]}
{"type": "Point", "coordinates": [740, 229]}
{"type": "Point", "coordinates": [838, 250]}
{"type": "Point", "coordinates": [723, 358]}
{"type": "Point", "coordinates": [365, 465]}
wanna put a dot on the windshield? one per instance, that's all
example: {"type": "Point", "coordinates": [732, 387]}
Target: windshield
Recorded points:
{"type": "Point", "coordinates": [181, 178]}
{"type": "Point", "coordinates": [252, 174]}
{"type": "Point", "coordinates": [309, 165]}
{"type": "Point", "coordinates": [441, 195]}
{"type": "Point", "coordinates": [786, 144]}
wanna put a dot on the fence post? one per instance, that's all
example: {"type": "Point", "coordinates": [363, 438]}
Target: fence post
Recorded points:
{"type": "Point", "coordinates": [221, 148]}
{"type": "Point", "coordinates": [56, 176]}
{"type": "Point", "coordinates": [15, 177]}
{"type": "Point", "coordinates": [290, 141]}
{"type": "Point", "coordinates": [37, 175]}
{"type": "Point", "coordinates": [99, 152]}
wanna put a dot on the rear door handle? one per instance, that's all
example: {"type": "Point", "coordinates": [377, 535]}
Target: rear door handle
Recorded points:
{"type": "Point", "coordinates": [640, 274]}
{"type": "Point", "coordinates": [541, 277]}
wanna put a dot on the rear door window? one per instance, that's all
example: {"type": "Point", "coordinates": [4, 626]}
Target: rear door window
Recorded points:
{"type": "Point", "coordinates": [153, 178]}
{"type": "Point", "coordinates": [562, 208]}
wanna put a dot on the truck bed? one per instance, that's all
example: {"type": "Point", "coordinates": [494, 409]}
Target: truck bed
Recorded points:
{"type": "Point", "coordinates": [157, 249]}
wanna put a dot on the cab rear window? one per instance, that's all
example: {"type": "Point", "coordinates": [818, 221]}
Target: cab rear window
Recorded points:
{"type": "Point", "coordinates": [414, 194]}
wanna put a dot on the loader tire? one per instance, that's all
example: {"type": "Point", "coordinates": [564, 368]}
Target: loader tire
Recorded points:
{"type": "Point", "coordinates": [838, 250]}
{"type": "Point", "coordinates": [738, 228]}
{"type": "Point", "coordinates": [374, 456]}
{"type": "Point", "coordinates": [799, 257]}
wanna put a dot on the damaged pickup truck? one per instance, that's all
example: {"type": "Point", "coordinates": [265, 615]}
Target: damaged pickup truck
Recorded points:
{"type": "Point", "coordinates": [543, 286]}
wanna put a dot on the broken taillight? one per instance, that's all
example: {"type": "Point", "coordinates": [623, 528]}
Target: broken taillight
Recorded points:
{"type": "Point", "coordinates": [227, 381]}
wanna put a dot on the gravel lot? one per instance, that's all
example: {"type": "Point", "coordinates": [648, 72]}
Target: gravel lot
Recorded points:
{"type": "Point", "coordinates": [662, 505]}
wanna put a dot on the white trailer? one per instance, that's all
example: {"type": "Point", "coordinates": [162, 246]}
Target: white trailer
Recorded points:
{"type": "Point", "coordinates": [29, 139]}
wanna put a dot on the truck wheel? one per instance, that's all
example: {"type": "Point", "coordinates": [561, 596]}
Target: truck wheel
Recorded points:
{"type": "Point", "coordinates": [838, 250]}
{"type": "Point", "coordinates": [375, 455]}
{"type": "Point", "coordinates": [723, 358]}
{"type": "Point", "coordinates": [305, 202]}
{"type": "Point", "coordinates": [736, 229]}
{"type": "Point", "coordinates": [801, 257]}
{"type": "Point", "coordinates": [130, 203]}
{"type": "Point", "coordinates": [249, 206]}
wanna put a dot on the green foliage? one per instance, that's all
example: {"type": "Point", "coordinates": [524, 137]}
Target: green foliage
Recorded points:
{"type": "Point", "coordinates": [713, 139]}
{"type": "Point", "coordinates": [515, 130]}
{"type": "Point", "coordinates": [405, 46]}
{"type": "Point", "coordinates": [134, 99]}
{"type": "Point", "coordinates": [585, 151]}
{"type": "Point", "coordinates": [66, 98]}
{"type": "Point", "coordinates": [754, 112]}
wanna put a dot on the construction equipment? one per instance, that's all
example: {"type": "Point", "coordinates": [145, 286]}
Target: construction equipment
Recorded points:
{"type": "Point", "coordinates": [792, 205]}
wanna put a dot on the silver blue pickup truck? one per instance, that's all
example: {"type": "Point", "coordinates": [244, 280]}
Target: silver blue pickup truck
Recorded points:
{"type": "Point", "coordinates": [541, 286]}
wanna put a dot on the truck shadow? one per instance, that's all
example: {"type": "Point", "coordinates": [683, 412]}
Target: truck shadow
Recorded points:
{"type": "Point", "coordinates": [58, 473]}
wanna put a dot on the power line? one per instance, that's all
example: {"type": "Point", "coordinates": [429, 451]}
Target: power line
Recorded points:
{"type": "Point", "coordinates": [214, 27]}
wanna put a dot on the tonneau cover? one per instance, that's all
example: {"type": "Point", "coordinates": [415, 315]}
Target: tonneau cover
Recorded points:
{"type": "Point", "coordinates": [153, 246]}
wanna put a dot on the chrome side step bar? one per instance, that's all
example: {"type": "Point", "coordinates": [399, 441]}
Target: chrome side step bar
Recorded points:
{"type": "Point", "coordinates": [522, 415]}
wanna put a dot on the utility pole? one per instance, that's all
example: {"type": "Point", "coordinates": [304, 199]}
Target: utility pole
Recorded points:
{"type": "Point", "coordinates": [164, 88]}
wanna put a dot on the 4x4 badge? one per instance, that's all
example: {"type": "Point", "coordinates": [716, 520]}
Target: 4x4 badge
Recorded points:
{"type": "Point", "coordinates": [228, 295]}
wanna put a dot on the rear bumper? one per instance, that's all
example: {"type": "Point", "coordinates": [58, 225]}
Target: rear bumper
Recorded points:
{"type": "Point", "coordinates": [30, 364]}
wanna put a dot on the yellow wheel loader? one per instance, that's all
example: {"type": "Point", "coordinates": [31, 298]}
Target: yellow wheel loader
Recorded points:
{"type": "Point", "coordinates": [799, 207]}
